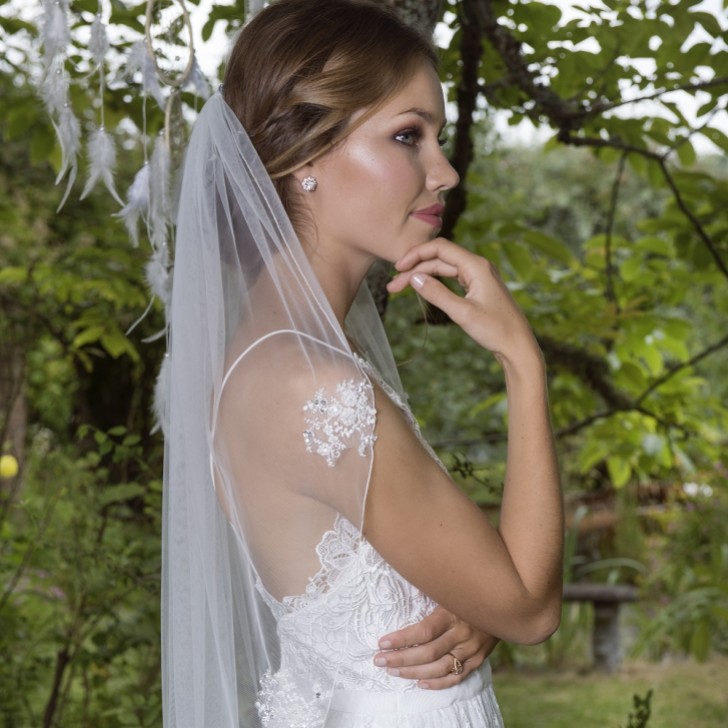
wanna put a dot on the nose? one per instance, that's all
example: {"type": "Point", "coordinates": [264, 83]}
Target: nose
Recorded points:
{"type": "Point", "coordinates": [442, 175]}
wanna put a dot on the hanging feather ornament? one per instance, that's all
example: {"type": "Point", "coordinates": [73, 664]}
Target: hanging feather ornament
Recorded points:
{"type": "Point", "coordinates": [197, 80]}
{"type": "Point", "coordinates": [54, 89]}
{"type": "Point", "coordinates": [99, 42]}
{"type": "Point", "coordinates": [137, 203]}
{"type": "Point", "coordinates": [140, 60]}
{"type": "Point", "coordinates": [160, 205]}
{"type": "Point", "coordinates": [158, 275]}
{"type": "Point", "coordinates": [55, 33]}
{"type": "Point", "coordinates": [102, 162]}
{"type": "Point", "coordinates": [68, 131]}
{"type": "Point", "coordinates": [161, 397]}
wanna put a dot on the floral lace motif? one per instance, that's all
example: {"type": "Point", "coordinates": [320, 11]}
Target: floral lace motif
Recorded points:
{"type": "Point", "coordinates": [282, 703]}
{"type": "Point", "coordinates": [330, 633]}
{"type": "Point", "coordinates": [333, 422]}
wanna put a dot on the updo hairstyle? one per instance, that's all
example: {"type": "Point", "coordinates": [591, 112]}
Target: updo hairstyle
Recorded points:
{"type": "Point", "coordinates": [300, 69]}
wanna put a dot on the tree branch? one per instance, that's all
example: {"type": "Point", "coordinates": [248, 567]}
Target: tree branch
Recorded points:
{"type": "Point", "coordinates": [600, 108]}
{"type": "Point", "coordinates": [699, 229]}
{"type": "Point", "coordinates": [609, 291]}
{"type": "Point", "coordinates": [471, 50]}
{"type": "Point", "coordinates": [564, 114]}
{"type": "Point", "coordinates": [679, 367]}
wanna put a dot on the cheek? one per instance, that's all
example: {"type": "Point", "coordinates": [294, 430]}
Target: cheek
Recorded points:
{"type": "Point", "coordinates": [377, 172]}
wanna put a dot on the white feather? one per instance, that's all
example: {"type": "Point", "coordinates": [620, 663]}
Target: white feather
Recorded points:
{"type": "Point", "coordinates": [198, 80]}
{"type": "Point", "coordinates": [157, 274]}
{"type": "Point", "coordinates": [54, 89]}
{"type": "Point", "coordinates": [160, 208]}
{"type": "Point", "coordinates": [139, 60]}
{"type": "Point", "coordinates": [102, 161]}
{"type": "Point", "coordinates": [68, 131]}
{"type": "Point", "coordinates": [161, 397]}
{"type": "Point", "coordinates": [55, 34]}
{"type": "Point", "coordinates": [99, 43]}
{"type": "Point", "coordinates": [137, 203]}
{"type": "Point", "coordinates": [135, 58]}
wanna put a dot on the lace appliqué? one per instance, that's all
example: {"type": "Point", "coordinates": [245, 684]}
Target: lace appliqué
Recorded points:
{"type": "Point", "coordinates": [333, 421]}
{"type": "Point", "coordinates": [281, 704]}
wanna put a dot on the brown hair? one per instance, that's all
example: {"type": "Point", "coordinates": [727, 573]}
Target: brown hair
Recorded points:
{"type": "Point", "coordinates": [301, 68]}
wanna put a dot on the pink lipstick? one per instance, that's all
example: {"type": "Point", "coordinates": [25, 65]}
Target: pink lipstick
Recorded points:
{"type": "Point", "coordinates": [431, 215]}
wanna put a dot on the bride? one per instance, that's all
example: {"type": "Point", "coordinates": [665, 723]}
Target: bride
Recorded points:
{"type": "Point", "coordinates": [320, 566]}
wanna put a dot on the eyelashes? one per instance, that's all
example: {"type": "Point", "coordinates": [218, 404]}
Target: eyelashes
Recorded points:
{"type": "Point", "coordinates": [412, 136]}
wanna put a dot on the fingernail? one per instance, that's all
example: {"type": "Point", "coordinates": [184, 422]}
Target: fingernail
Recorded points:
{"type": "Point", "coordinates": [418, 280]}
{"type": "Point", "coordinates": [423, 686]}
{"type": "Point", "coordinates": [393, 671]}
{"type": "Point", "coordinates": [385, 645]}
{"type": "Point", "coordinates": [380, 662]}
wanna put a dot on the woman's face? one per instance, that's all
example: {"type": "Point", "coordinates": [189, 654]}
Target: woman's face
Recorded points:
{"type": "Point", "coordinates": [380, 191]}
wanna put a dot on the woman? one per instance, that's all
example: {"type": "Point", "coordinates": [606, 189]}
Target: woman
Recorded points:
{"type": "Point", "coordinates": [309, 528]}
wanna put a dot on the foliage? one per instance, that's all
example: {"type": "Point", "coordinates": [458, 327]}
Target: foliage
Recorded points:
{"type": "Point", "coordinates": [79, 561]}
{"type": "Point", "coordinates": [687, 580]}
{"type": "Point", "coordinates": [79, 606]}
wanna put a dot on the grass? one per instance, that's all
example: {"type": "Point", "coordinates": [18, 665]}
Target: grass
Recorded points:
{"type": "Point", "coordinates": [686, 694]}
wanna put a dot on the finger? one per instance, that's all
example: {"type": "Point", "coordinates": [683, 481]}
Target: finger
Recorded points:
{"type": "Point", "coordinates": [440, 683]}
{"type": "Point", "coordinates": [440, 295]}
{"type": "Point", "coordinates": [412, 656]}
{"type": "Point", "coordinates": [441, 668]}
{"type": "Point", "coordinates": [438, 248]}
{"type": "Point", "coordinates": [434, 625]}
{"type": "Point", "coordinates": [434, 267]}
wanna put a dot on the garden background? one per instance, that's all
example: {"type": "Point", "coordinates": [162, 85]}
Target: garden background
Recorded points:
{"type": "Point", "coordinates": [611, 228]}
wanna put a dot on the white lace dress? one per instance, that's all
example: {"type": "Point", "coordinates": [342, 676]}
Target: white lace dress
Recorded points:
{"type": "Point", "coordinates": [354, 599]}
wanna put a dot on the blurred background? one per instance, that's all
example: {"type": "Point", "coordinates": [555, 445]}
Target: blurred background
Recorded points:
{"type": "Point", "coordinates": [591, 142]}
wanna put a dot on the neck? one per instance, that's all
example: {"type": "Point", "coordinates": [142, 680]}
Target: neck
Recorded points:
{"type": "Point", "coordinates": [340, 279]}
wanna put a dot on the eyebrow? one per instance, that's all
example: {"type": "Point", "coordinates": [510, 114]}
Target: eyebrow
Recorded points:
{"type": "Point", "coordinates": [425, 115]}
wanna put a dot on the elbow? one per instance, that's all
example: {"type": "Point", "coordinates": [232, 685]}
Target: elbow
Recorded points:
{"type": "Point", "coordinates": [541, 626]}
{"type": "Point", "coordinates": [541, 621]}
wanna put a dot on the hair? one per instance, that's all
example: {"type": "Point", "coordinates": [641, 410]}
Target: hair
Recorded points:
{"type": "Point", "coordinates": [300, 69]}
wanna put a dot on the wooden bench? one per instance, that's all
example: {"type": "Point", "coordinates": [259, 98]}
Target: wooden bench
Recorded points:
{"type": "Point", "coordinates": [607, 600]}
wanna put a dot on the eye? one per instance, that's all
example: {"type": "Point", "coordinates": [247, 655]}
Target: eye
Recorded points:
{"type": "Point", "coordinates": [409, 137]}
{"type": "Point", "coordinates": [442, 141]}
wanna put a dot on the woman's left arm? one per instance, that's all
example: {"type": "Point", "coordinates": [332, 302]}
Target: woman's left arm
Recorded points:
{"type": "Point", "coordinates": [426, 651]}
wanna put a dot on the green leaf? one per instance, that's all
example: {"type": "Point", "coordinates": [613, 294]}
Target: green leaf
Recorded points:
{"type": "Point", "coordinates": [122, 492]}
{"type": "Point", "coordinates": [686, 154]}
{"type": "Point", "coordinates": [89, 335]}
{"type": "Point", "coordinates": [547, 244]}
{"type": "Point", "coordinates": [716, 136]}
{"type": "Point", "coordinates": [709, 22]}
{"type": "Point", "coordinates": [117, 344]}
{"type": "Point", "coordinates": [619, 471]}
{"type": "Point", "coordinates": [520, 260]}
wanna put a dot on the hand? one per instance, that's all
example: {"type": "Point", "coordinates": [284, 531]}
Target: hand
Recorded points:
{"type": "Point", "coordinates": [487, 311]}
{"type": "Point", "coordinates": [422, 651]}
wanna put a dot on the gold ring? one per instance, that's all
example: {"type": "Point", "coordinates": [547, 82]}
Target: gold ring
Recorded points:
{"type": "Point", "coordinates": [457, 666]}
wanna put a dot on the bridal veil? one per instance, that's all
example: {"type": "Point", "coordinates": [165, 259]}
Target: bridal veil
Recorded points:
{"type": "Point", "coordinates": [255, 352]}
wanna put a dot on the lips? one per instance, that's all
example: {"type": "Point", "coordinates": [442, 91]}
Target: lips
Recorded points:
{"type": "Point", "coordinates": [431, 215]}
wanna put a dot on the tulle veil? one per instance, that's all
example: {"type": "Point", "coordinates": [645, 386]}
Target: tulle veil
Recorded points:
{"type": "Point", "coordinates": [250, 330]}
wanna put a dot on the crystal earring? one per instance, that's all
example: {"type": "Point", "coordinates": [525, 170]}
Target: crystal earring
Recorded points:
{"type": "Point", "coordinates": [309, 184]}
